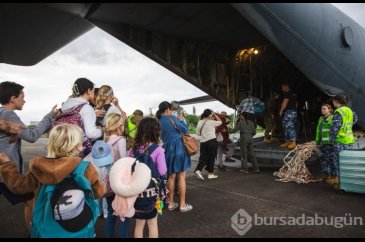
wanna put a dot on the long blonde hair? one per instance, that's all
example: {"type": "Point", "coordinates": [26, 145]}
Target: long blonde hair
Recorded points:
{"type": "Point", "coordinates": [104, 92]}
{"type": "Point", "coordinates": [112, 124]}
{"type": "Point", "coordinates": [65, 140]}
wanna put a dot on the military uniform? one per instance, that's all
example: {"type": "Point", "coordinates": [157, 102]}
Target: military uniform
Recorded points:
{"type": "Point", "coordinates": [289, 121]}
{"type": "Point", "coordinates": [247, 131]}
{"type": "Point", "coordinates": [325, 146]}
{"type": "Point", "coordinates": [341, 135]}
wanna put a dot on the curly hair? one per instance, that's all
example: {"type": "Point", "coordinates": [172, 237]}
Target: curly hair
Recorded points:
{"type": "Point", "coordinates": [148, 131]}
{"type": "Point", "coordinates": [104, 92]}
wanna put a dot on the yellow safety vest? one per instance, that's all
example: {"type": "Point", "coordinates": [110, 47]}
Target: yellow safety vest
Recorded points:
{"type": "Point", "coordinates": [324, 133]}
{"type": "Point", "coordinates": [345, 134]}
{"type": "Point", "coordinates": [132, 128]}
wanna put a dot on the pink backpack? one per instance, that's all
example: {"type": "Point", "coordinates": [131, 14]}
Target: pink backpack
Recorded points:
{"type": "Point", "coordinates": [73, 117]}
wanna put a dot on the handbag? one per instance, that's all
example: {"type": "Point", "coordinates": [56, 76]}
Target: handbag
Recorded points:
{"type": "Point", "coordinates": [190, 143]}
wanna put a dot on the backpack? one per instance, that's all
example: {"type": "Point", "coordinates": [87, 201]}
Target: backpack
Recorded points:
{"type": "Point", "coordinates": [73, 117]}
{"type": "Point", "coordinates": [104, 150]}
{"type": "Point", "coordinates": [56, 206]}
{"type": "Point", "coordinates": [155, 193]}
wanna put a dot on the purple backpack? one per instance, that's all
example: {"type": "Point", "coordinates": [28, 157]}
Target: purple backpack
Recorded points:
{"type": "Point", "coordinates": [73, 117]}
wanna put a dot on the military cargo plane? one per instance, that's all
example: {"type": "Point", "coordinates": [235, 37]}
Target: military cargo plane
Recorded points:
{"type": "Point", "coordinates": [224, 49]}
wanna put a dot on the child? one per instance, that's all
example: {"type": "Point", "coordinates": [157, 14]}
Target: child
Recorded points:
{"type": "Point", "coordinates": [77, 110]}
{"type": "Point", "coordinates": [114, 128]}
{"type": "Point", "coordinates": [148, 133]}
{"type": "Point", "coordinates": [323, 141]}
{"type": "Point", "coordinates": [106, 101]}
{"type": "Point", "coordinates": [64, 145]}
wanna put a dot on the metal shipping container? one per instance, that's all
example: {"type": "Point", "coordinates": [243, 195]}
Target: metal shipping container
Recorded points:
{"type": "Point", "coordinates": [352, 171]}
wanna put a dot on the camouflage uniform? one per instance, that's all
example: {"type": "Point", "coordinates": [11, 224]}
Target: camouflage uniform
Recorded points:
{"type": "Point", "coordinates": [325, 155]}
{"type": "Point", "coordinates": [289, 120]}
{"type": "Point", "coordinates": [338, 147]}
{"type": "Point", "coordinates": [325, 146]}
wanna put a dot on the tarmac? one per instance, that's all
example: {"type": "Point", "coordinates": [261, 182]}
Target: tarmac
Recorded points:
{"type": "Point", "coordinates": [236, 205]}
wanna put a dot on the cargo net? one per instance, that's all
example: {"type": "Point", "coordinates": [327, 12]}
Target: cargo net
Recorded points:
{"type": "Point", "coordinates": [294, 168]}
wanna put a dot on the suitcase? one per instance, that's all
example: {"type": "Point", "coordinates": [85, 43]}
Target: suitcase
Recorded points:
{"type": "Point", "coordinates": [352, 171]}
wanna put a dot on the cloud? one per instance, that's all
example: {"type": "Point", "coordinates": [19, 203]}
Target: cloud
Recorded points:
{"type": "Point", "coordinates": [353, 10]}
{"type": "Point", "coordinates": [138, 82]}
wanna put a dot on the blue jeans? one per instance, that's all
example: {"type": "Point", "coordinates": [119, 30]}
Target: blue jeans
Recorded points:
{"type": "Point", "coordinates": [111, 220]}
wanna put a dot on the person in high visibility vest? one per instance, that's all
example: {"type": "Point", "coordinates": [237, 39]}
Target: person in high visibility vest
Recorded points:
{"type": "Point", "coordinates": [323, 142]}
{"type": "Point", "coordinates": [341, 135]}
{"type": "Point", "coordinates": [132, 123]}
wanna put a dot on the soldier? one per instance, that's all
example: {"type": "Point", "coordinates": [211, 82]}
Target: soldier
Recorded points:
{"type": "Point", "coordinates": [341, 135]}
{"type": "Point", "coordinates": [289, 113]}
{"type": "Point", "coordinates": [247, 131]}
{"type": "Point", "coordinates": [323, 141]}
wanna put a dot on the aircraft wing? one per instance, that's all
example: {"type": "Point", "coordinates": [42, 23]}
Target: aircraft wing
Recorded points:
{"type": "Point", "coordinates": [31, 32]}
{"type": "Point", "coordinates": [201, 99]}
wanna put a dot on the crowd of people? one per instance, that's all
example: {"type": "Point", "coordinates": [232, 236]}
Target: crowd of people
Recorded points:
{"type": "Point", "coordinates": [90, 133]}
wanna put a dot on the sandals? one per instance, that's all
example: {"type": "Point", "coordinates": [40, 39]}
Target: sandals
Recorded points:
{"type": "Point", "coordinates": [187, 208]}
{"type": "Point", "coordinates": [173, 207]}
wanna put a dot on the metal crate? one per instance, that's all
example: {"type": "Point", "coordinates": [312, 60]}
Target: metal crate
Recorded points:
{"type": "Point", "coordinates": [352, 171]}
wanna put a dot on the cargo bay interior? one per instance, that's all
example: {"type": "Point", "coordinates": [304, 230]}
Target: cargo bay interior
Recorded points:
{"type": "Point", "coordinates": [214, 48]}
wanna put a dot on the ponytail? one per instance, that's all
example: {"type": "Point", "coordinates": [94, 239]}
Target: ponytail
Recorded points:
{"type": "Point", "coordinates": [162, 108]}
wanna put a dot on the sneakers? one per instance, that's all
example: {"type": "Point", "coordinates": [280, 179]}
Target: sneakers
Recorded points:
{"type": "Point", "coordinates": [173, 207]}
{"type": "Point", "coordinates": [187, 208]}
{"type": "Point", "coordinates": [212, 176]}
{"type": "Point", "coordinates": [257, 171]}
{"type": "Point", "coordinates": [199, 174]}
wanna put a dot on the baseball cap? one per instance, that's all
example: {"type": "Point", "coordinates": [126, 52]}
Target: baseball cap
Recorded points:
{"type": "Point", "coordinates": [101, 154]}
{"type": "Point", "coordinates": [75, 214]}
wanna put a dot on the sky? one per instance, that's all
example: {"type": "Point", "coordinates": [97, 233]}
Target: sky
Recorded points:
{"type": "Point", "coordinates": [137, 81]}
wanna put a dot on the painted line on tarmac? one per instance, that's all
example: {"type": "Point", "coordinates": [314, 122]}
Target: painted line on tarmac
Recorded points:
{"type": "Point", "coordinates": [258, 199]}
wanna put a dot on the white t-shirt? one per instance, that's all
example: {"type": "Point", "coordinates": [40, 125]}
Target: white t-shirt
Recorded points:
{"type": "Point", "coordinates": [208, 131]}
